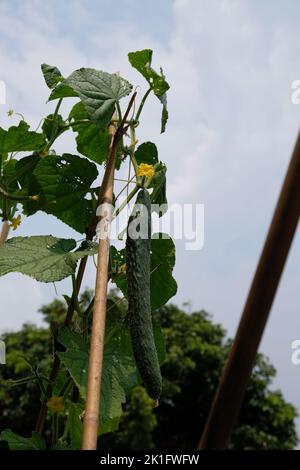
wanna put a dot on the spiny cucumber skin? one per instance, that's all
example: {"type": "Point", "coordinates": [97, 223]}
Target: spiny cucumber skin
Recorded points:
{"type": "Point", "coordinates": [139, 305]}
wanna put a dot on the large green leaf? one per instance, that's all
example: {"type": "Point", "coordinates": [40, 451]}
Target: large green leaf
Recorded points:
{"type": "Point", "coordinates": [110, 425]}
{"type": "Point", "coordinates": [51, 74]}
{"type": "Point", "coordinates": [62, 183]}
{"type": "Point", "coordinates": [15, 442]}
{"type": "Point", "coordinates": [19, 138]}
{"type": "Point", "coordinates": [76, 361]}
{"type": "Point", "coordinates": [141, 61]}
{"type": "Point", "coordinates": [75, 425]}
{"type": "Point", "coordinates": [75, 358]}
{"type": "Point", "coordinates": [119, 372]}
{"type": "Point", "coordinates": [163, 285]}
{"type": "Point", "coordinates": [119, 376]}
{"type": "Point", "coordinates": [99, 91]}
{"type": "Point", "coordinates": [45, 258]}
{"type": "Point", "coordinates": [91, 141]}
{"type": "Point", "coordinates": [146, 153]}
{"type": "Point", "coordinates": [71, 340]}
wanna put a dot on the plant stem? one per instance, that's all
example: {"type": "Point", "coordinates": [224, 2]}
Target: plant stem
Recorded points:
{"type": "Point", "coordinates": [24, 380]}
{"type": "Point", "coordinates": [119, 111]}
{"type": "Point", "coordinates": [75, 123]}
{"type": "Point", "coordinates": [132, 149]}
{"type": "Point", "coordinates": [125, 202]}
{"type": "Point", "coordinates": [75, 295]}
{"type": "Point", "coordinates": [16, 197]}
{"type": "Point", "coordinates": [128, 177]}
{"type": "Point", "coordinates": [134, 163]}
{"type": "Point", "coordinates": [85, 319]}
{"type": "Point", "coordinates": [123, 189]}
{"type": "Point", "coordinates": [53, 139]}
{"type": "Point", "coordinates": [57, 107]}
{"type": "Point", "coordinates": [142, 104]}
{"type": "Point", "coordinates": [40, 382]}
{"type": "Point", "coordinates": [129, 180]}
{"type": "Point", "coordinates": [88, 121]}
{"type": "Point", "coordinates": [66, 388]}
{"type": "Point", "coordinates": [54, 133]}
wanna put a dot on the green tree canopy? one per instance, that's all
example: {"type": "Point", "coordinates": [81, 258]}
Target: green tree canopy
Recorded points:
{"type": "Point", "coordinates": [196, 352]}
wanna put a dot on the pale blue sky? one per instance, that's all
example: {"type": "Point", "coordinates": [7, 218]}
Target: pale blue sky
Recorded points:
{"type": "Point", "coordinates": [232, 127]}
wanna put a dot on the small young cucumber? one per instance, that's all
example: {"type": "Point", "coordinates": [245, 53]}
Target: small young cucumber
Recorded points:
{"type": "Point", "coordinates": [138, 250]}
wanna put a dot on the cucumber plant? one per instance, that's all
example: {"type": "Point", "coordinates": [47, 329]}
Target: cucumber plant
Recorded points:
{"type": "Point", "coordinates": [33, 178]}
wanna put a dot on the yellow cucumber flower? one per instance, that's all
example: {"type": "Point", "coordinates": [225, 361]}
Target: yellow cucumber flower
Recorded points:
{"type": "Point", "coordinates": [145, 170]}
{"type": "Point", "coordinates": [56, 404]}
{"type": "Point", "coordinates": [15, 222]}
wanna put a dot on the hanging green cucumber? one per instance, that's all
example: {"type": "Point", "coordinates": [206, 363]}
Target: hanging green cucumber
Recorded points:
{"type": "Point", "coordinates": [139, 306]}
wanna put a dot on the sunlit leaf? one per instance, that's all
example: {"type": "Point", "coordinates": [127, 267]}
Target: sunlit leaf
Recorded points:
{"type": "Point", "coordinates": [141, 61]}
{"type": "Point", "coordinates": [45, 258]}
{"type": "Point", "coordinates": [51, 74]}
{"type": "Point", "coordinates": [99, 91]}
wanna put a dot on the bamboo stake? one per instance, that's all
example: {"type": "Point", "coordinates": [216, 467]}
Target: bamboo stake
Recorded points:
{"type": "Point", "coordinates": [91, 415]}
{"type": "Point", "coordinates": [4, 232]}
{"type": "Point", "coordinates": [237, 372]}
{"type": "Point", "coordinates": [92, 409]}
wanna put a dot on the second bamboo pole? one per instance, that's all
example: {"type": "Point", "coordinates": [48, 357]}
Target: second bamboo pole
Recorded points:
{"type": "Point", "coordinates": [237, 372]}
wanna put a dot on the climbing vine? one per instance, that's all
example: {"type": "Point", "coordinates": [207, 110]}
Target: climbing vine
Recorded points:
{"type": "Point", "coordinates": [104, 120]}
